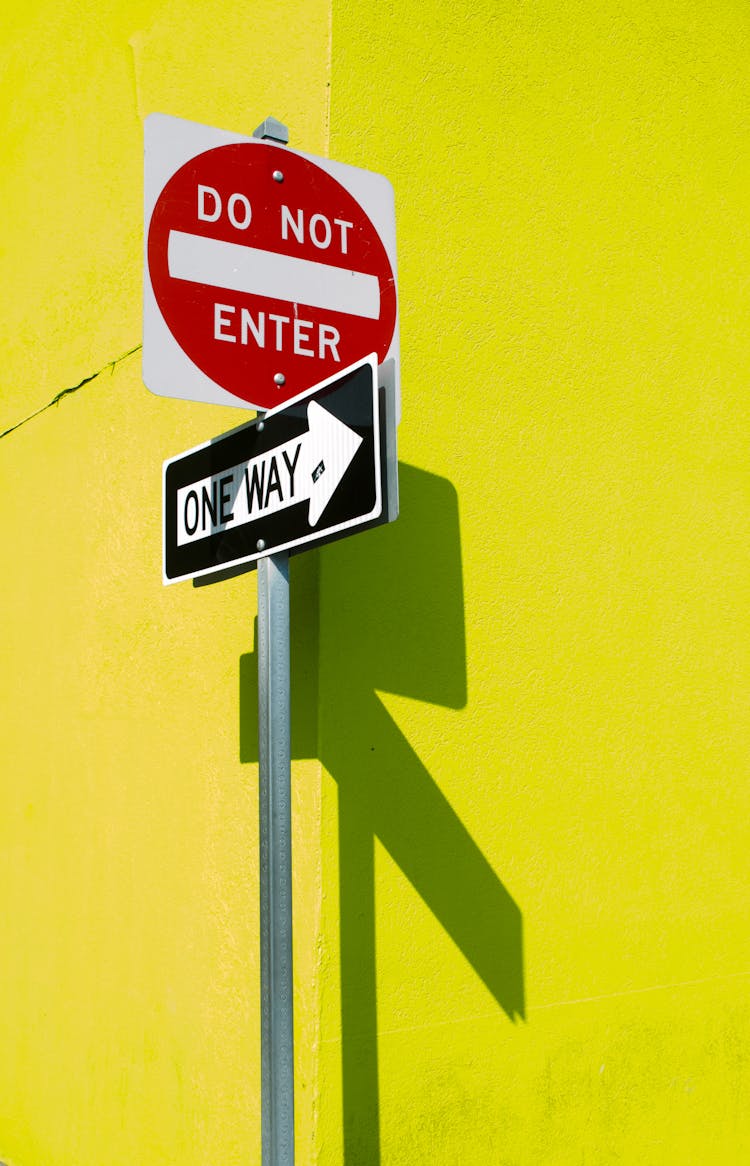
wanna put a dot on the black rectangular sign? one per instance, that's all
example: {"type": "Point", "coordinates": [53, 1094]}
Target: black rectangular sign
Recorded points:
{"type": "Point", "coordinates": [305, 475]}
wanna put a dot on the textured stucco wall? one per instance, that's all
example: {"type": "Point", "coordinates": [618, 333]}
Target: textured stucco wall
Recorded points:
{"type": "Point", "coordinates": [128, 804]}
{"type": "Point", "coordinates": [521, 868]}
{"type": "Point", "coordinates": [572, 198]}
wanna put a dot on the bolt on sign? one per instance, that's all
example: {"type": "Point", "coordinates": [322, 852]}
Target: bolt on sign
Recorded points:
{"type": "Point", "coordinates": [267, 271]}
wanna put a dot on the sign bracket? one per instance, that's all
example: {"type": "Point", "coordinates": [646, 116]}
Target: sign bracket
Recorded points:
{"type": "Point", "coordinates": [272, 130]}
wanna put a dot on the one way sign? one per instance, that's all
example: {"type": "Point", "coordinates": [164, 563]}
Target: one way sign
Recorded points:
{"type": "Point", "coordinates": [309, 473]}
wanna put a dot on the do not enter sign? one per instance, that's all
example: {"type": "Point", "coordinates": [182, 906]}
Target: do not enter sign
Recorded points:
{"type": "Point", "coordinates": [267, 271]}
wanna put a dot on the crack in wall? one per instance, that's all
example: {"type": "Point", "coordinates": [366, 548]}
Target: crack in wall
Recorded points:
{"type": "Point", "coordinates": [134, 44]}
{"type": "Point", "coordinates": [111, 365]}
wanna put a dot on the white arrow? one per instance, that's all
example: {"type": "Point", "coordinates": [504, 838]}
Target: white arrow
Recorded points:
{"type": "Point", "coordinates": [307, 468]}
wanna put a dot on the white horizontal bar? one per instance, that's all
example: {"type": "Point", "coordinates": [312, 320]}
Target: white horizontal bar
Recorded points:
{"type": "Point", "coordinates": [235, 267]}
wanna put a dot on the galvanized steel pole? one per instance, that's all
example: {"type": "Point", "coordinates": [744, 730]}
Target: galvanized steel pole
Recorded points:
{"type": "Point", "coordinates": [277, 1034]}
{"type": "Point", "coordinates": [275, 800]}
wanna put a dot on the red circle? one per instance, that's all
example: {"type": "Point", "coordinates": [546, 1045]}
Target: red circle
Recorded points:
{"type": "Point", "coordinates": [237, 344]}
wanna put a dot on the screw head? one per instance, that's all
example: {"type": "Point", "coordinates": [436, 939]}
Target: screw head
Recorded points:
{"type": "Point", "coordinates": [278, 176]}
{"type": "Point", "coordinates": [279, 379]}
{"type": "Point", "coordinates": [261, 544]}
{"type": "Point", "coordinates": [260, 426]}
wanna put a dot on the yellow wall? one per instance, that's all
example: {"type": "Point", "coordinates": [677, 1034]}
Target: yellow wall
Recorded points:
{"type": "Point", "coordinates": [521, 859]}
{"type": "Point", "coordinates": [129, 1018]}
{"type": "Point", "coordinates": [572, 198]}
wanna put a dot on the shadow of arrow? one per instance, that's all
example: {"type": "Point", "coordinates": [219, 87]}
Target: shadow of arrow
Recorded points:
{"type": "Point", "coordinates": [391, 618]}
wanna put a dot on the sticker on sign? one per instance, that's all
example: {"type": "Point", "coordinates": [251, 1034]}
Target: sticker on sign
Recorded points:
{"type": "Point", "coordinates": [267, 271]}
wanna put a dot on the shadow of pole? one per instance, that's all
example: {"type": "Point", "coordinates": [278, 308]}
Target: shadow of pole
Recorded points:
{"type": "Point", "coordinates": [359, 1027]}
{"type": "Point", "coordinates": [399, 803]}
{"type": "Point", "coordinates": [391, 618]}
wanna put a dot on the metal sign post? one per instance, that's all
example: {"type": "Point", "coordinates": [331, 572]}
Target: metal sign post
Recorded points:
{"type": "Point", "coordinates": [277, 1026]}
{"type": "Point", "coordinates": [275, 840]}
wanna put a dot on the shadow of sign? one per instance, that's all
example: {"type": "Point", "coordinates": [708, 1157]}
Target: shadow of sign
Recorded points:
{"type": "Point", "coordinates": [391, 619]}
